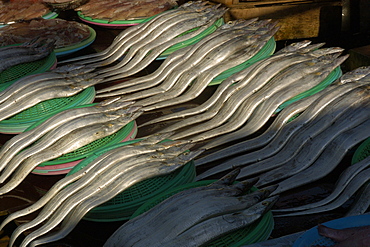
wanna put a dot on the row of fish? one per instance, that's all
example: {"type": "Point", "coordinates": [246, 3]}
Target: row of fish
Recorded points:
{"type": "Point", "coordinates": [106, 176]}
{"type": "Point", "coordinates": [62, 133]}
{"type": "Point", "coordinates": [197, 216]}
{"type": "Point", "coordinates": [65, 81]}
{"type": "Point", "coordinates": [186, 73]}
{"type": "Point", "coordinates": [136, 47]}
{"type": "Point", "coordinates": [32, 51]}
{"type": "Point", "coordinates": [17, 10]}
{"type": "Point", "coordinates": [257, 93]}
{"type": "Point", "coordinates": [62, 32]}
{"type": "Point", "coordinates": [124, 10]}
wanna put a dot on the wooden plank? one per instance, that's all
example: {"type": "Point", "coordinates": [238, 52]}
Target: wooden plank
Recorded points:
{"type": "Point", "coordinates": [296, 21]}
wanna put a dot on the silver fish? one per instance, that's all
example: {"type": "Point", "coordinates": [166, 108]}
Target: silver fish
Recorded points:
{"type": "Point", "coordinates": [298, 138]}
{"type": "Point", "coordinates": [252, 98]}
{"type": "Point", "coordinates": [69, 143]}
{"type": "Point", "coordinates": [59, 132]}
{"type": "Point", "coordinates": [178, 57]}
{"type": "Point", "coordinates": [142, 57]}
{"type": "Point", "coordinates": [344, 179]}
{"type": "Point", "coordinates": [342, 143]}
{"type": "Point", "coordinates": [314, 146]}
{"type": "Point", "coordinates": [361, 201]}
{"type": "Point", "coordinates": [201, 82]}
{"type": "Point", "coordinates": [15, 106]}
{"type": "Point", "coordinates": [194, 213]}
{"type": "Point", "coordinates": [206, 231]}
{"type": "Point", "coordinates": [22, 140]}
{"type": "Point", "coordinates": [144, 146]}
{"type": "Point", "coordinates": [141, 28]}
{"type": "Point", "coordinates": [354, 185]}
{"type": "Point", "coordinates": [251, 84]}
{"type": "Point", "coordinates": [114, 184]}
{"type": "Point", "coordinates": [220, 91]}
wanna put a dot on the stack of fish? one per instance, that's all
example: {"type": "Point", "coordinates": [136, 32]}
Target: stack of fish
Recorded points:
{"type": "Point", "coordinates": [142, 44]}
{"type": "Point", "coordinates": [25, 53]}
{"type": "Point", "coordinates": [112, 10]}
{"type": "Point", "coordinates": [352, 180]}
{"type": "Point", "coordinates": [60, 134]}
{"type": "Point", "coordinates": [253, 95]}
{"type": "Point", "coordinates": [187, 72]}
{"type": "Point", "coordinates": [293, 151]}
{"type": "Point", "coordinates": [197, 216]}
{"type": "Point", "coordinates": [105, 177]}
{"type": "Point", "coordinates": [28, 91]}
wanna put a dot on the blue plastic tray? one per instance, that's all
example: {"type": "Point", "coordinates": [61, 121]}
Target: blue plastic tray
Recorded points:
{"type": "Point", "coordinates": [312, 237]}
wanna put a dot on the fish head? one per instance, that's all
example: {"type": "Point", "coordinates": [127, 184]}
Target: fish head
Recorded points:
{"type": "Point", "coordinates": [355, 75]}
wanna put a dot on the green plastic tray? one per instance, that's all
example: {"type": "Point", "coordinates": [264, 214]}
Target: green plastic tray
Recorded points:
{"type": "Point", "coordinates": [88, 149]}
{"type": "Point", "coordinates": [265, 52]}
{"type": "Point", "coordinates": [193, 40]}
{"type": "Point", "coordinates": [8, 76]}
{"type": "Point", "coordinates": [256, 232]}
{"type": "Point", "coordinates": [122, 206]}
{"type": "Point", "coordinates": [333, 76]}
{"type": "Point", "coordinates": [362, 152]}
{"type": "Point", "coordinates": [23, 120]}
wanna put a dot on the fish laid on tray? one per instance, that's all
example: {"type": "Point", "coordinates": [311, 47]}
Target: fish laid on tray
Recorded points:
{"type": "Point", "coordinates": [64, 33]}
{"type": "Point", "coordinates": [142, 44]}
{"type": "Point", "coordinates": [25, 53]}
{"type": "Point", "coordinates": [112, 10]}
{"type": "Point", "coordinates": [108, 175]}
{"type": "Point", "coordinates": [188, 75]}
{"type": "Point", "coordinates": [19, 10]}
{"type": "Point", "coordinates": [60, 134]}
{"type": "Point", "coordinates": [197, 216]}
{"type": "Point", "coordinates": [28, 91]}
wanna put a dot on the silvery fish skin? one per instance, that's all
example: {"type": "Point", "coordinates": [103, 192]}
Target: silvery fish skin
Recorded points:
{"type": "Point", "coordinates": [59, 132]}
{"type": "Point", "coordinates": [191, 77]}
{"type": "Point", "coordinates": [251, 84]}
{"type": "Point", "coordinates": [41, 53]}
{"type": "Point", "coordinates": [162, 34]}
{"type": "Point", "coordinates": [244, 112]}
{"type": "Point", "coordinates": [302, 107]}
{"type": "Point", "coordinates": [282, 151]}
{"type": "Point", "coordinates": [178, 57]}
{"type": "Point", "coordinates": [44, 94]}
{"type": "Point", "coordinates": [211, 57]}
{"type": "Point", "coordinates": [342, 143]}
{"type": "Point", "coordinates": [150, 51]}
{"type": "Point", "coordinates": [77, 213]}
{"type": "Point", "coordinates": [135, 43]}
{"type": "Point", "coordinates": [145, 146]}
{"type": "Point", "coordinates": [69, 143]}
{"type": "Point", "coordinates": [221, 89]}
{"type": "Point", "coordinates": [24, 90]}
{"type": "Point", "coordinates": [209, 230]}
{"type": "Point", "coordinates": [243, 132]}
{"type": "Point", "coordinates": [204, 78]}
{"type": "Point", "coordinates": [114, 185]}
{"type": "Point", "coordinates": [355, 184]}
{"type": "Point", "coordinates": [22, 140]}
{"type": "Point", "coordinates": [141, 28]}
{"type": "Point", "coordinates": [361, 201]}
{"type": "Point", "coordinates": [314, 146]}
{"type": "Point", "coordinates": [324, 97]}
{"type": "Point", "coordinates": [133, 230]}
{"type": "Point", "coordinates": [284, 79]}
{"type": "Point", "coordinates": [344, 179]}
{"type": "Point", "coordinates": [222, 187]}
{"type": "Point", "coordinates": [197, 212]}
